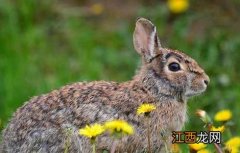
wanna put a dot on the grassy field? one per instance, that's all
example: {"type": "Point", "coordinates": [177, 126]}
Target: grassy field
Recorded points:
{"type": "Point", "coordinates": [47, 44]}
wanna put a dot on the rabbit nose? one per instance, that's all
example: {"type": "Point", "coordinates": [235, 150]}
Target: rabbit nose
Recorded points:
{"type": "Point", "coordinates": [206, 79]}
{"type": "Point", "coordinates": [206, 82]}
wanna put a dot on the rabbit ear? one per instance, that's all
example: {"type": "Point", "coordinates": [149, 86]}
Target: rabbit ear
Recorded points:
{"type": "Point", "coordinates": [145, 39]}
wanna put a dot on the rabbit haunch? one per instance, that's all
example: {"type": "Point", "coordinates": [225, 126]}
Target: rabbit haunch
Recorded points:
{"type": "Point", "coordinates": [167, 78]}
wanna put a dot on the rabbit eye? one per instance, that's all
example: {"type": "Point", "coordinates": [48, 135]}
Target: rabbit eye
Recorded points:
{"type": "Point", "coordinates": [174, 67]}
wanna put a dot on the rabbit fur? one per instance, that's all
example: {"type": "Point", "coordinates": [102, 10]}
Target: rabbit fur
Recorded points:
{"type": "Point", "coordinates": [41, 124]}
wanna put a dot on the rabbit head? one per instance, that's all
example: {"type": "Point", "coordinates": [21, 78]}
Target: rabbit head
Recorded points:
{"type": "Point", "coordinates": [166, 72]}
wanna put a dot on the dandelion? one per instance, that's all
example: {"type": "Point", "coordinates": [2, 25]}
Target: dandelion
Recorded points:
{"type": "Point", "coordinates": [234, 150]}
{"type": "Point", "coordinates": [204, 151]}
{"type": "Point", "coordinates": [197, 146]}
{"type": "Point", "coordinates": [97, 8]}
{"type": "Point", "coordinates": [220, 129]}
{"type": "Point", "coordinates": [145, 109]}
{"type": "Point", "coordinates": [233, 144]}
{"type": "Point", "coordinates": [203, 116]}
{"type": "Point", "coordinates": [92, 132]}
{"type": "Point", "coordinates": [119, 126]}
{"type": "Point", "coordinates": [178, 6]}
{"type": "Point", "coordinates": [175, 148]}
{"type": "Point", "coordinates": [201, 113]}
{"type": "Point", "coordinates": [223, 115]}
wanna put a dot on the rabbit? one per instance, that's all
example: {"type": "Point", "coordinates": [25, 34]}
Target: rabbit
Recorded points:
{"type": "Point", "coordinates": [167, 78]}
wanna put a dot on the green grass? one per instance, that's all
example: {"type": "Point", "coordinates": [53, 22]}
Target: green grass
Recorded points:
{"type": "Point", "coordinates": [38, 56]}
{"type": "Point", "coordinates": [43, 49]}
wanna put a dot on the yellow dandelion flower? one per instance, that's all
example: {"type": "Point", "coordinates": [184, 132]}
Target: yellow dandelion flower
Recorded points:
{"type": "Point", "coordinates": [233, 144]}
{"type": "Point", "coordinates": [119, 126]}
{"type": "Point", "coordinates": [220, 128]}
{"type": "Point", "coordinates": [197, 146]}
{"type": "Point", "coordinates": [97, 8]}
{"type": "Point", "coordinates": [178, 6]}
{"type": "Point", "coordinates": [175, 148]}
{"type": "Point", "coordinates": [92, 131]}
{"type": "Point", "coordinates": [223, 115]}
{"type": "Point", "coordinates": [145, 109]}
{"type": "Point", "coordinates": [233, 150]}
{"type": "Point", "coordinates": [204, 151]}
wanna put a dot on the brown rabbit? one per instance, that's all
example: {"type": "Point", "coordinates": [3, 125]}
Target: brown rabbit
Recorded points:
{"type": "Point", "coordinates": [167, 78]}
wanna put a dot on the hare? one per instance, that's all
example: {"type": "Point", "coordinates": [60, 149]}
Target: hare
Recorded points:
{"type": "Point", "coordinates": [167, 78]}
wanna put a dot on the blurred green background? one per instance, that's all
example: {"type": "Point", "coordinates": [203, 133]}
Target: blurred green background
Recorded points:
{"type": "Point", "coordinates": [50, 43]}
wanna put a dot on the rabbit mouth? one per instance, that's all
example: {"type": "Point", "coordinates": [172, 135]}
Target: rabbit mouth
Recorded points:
{"type": "Point", "coordinates": [194, 93]}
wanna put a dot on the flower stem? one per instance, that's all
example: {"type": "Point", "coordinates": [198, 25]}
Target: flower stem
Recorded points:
{"type": "Point", "coordinates": [113, 146]}
{"type": "Point", "coordinates": [93, 142]}
{"type": "Point", "coordinates": [216, 146]}
{"type": "Point", "coordinates": [148, 135]}
{"type": "Point", "coordinates": [94, 147]}
{"type": "Point", "coordinates": [229, 133]}
{"type": "Point", "coordinates": [67, 143]}
{"type": "Point", "coordinates": [166, 147]}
